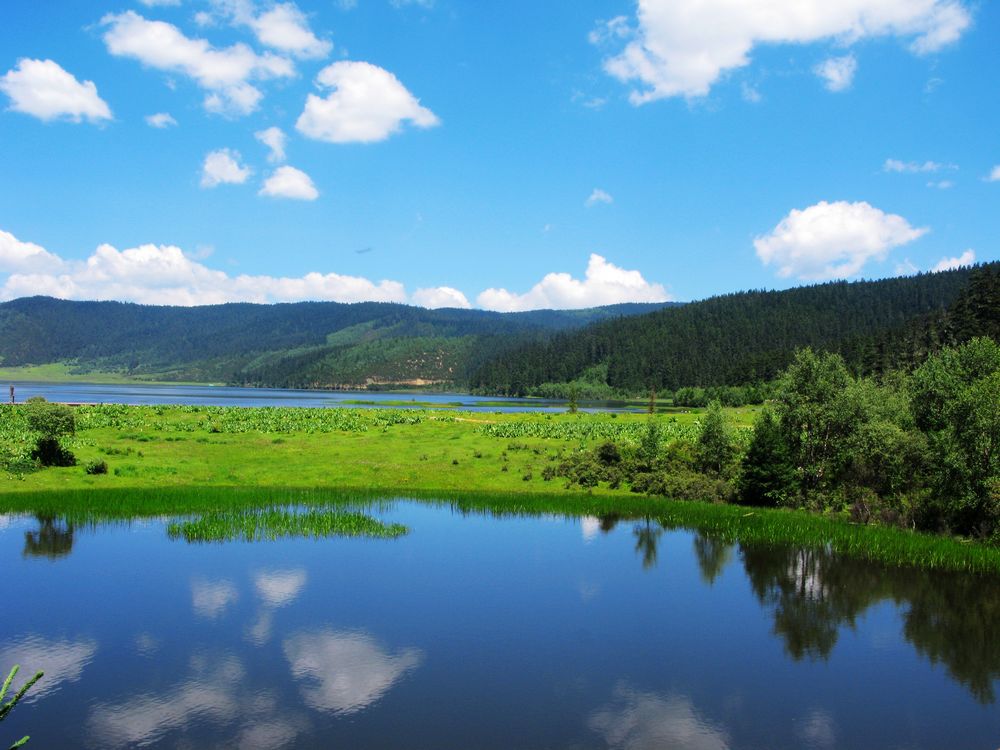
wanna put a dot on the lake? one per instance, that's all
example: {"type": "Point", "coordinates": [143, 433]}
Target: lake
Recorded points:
{"type": "Point", "coordinates": [208, 395]}
{"type": "Point", "coordinates": [479, 632]}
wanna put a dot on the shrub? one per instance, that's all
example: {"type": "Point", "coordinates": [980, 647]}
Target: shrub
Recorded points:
{"type": "Point", "coordinates": [48, 452]}
{"type": "Point", "coordinates": [97, 467]}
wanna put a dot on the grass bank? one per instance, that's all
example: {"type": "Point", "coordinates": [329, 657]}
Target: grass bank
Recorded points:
{"type": "Point", "coordinates": [181, 461]}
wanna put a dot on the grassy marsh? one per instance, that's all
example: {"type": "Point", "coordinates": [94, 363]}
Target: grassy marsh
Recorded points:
{"type": "Point", "coordinates": [177, 461]}
{"type": "Point", "coordinates": [281, 523]}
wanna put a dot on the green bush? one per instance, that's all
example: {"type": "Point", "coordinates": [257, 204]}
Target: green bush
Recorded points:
{"type": "Point", "coordinates": [97, 467]}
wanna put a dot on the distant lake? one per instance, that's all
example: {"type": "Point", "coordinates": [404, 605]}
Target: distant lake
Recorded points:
{"type": "Point", "coordinates": [474, 632]}
{"type": "Point", "coordinates": [206, 395]}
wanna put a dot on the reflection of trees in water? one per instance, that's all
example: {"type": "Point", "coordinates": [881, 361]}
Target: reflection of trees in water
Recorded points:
{"type": "Point", "coordinates": [955, 620]}
{"type": "Point", "coordinates": [949, 618]}
{"type": "Point", "coordinates": [52, 539]}
{"type": "Point", "coordinates": [647, 541]}
{"type": "Point", "coordinates": [713, 555]}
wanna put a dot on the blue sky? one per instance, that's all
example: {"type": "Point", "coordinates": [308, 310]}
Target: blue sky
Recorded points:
{"type": "Point", "coordinates": [502, 155]}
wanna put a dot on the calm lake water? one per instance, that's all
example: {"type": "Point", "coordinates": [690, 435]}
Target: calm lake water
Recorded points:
{"type": "Point", "coordinates": [477, 632]}
{"type": "Point", "coordinates": [206, 395]}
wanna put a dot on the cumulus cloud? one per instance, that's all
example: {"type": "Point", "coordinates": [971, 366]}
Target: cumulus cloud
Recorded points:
{"type": "Point", "coordinates": [25, 257]}
{"type": "Point", "coordinates": [165, 275]}
{"type": "Point", "coordinates": [161, 120]}
{"type": "Point", "coordinates": [837, 72]}
{"type": "Point", "coordinates": [833, 240]}
{"type": "Point", "coordinates": [680, 47]}
{"type": "Point", "coordinates": [274, 138]}
{"type": "Point", "coordinates": [967, 258]}
{"type": "Point", "coordinates": [289, 182]}
{"type": "Point", "coordinates": [604, 284]}
{"type": "Point", "coordinates": [345, 672]}
{"type": "Point", "coordinates": [994, 175]}
{"type": "Point", "coordinates": [42, 88]}
{"type": "Point", "coordinates": [598, 196]}
{"type": "Point", "coordinates": [284, 27]}
{"type": "Point", "coordinates": [914, 167]}
{"type": "Point", "coordinates": [225, 73]}
{"type": "Point", "coordinates": [366, 104]}
{"type": "Point", "coordinates": [440, 296]}
{"type": "Point", "coordinates": [223, 167]}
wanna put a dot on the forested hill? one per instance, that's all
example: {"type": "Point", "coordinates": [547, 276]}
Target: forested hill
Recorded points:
{"type": "Point", "coordinates": [301, 344]}
{"type": "Point", "coordinates": [751, 336]}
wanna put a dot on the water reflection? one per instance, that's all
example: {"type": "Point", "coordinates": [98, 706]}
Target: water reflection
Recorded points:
{"type": "Point", "coordinates": [52, 539]}
{"type": "Point", "coordinates": [62, 660]}
{"type": "Point", "coordinates": [212, 693]}
{"type": "Point", "coordinates": [949, 618]}
{"type": "Point", "coordinates": [275, 588]}
{"type": "Point", "coordinates": [636, 720]}
{"type": "Point", "coordinates": [345, 672]}
{"type": "Point", "coordinates": [818, 730]}
{"type": "Point", "coordinates": [647, 541]}
{"type": "Point", "coordinates": [713, 555]}
{"type": "Point", "coordinates": [210, 599]}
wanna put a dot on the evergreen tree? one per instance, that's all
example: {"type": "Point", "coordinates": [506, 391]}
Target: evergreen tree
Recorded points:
{"type": "Point", "coordinates": [767, 477]}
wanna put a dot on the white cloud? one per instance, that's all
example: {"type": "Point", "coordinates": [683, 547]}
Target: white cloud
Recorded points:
{"type": "Point", "coordinates": [345, 672]}
{"type": "Point", "coordinates": [440, 296]}
{"type": "Point", "coordinates": [289, 182]}
{"type": "Point", "coordinates": [941, 184]}
{"type": "Point", "coordinates": [684, 47]}
{"type": "Point", "coordinates": [598, 196]}
{"type": "Point", "coordinates": [605, 284]}
{"type": "Point", "coordinates": [161, 120]}
{"type": "Point", "coordinates": [833, 240]}
{"type": "Point", "coordinates": [994, 176]}
{"type": "Point", "coordinates": [366, 104]}
{"type": "Point", "coordinates": [274, 138]}
{"type": "Point", "coordinates": [25, 257]}
{"type": "Point", "coordinates": [837, 72]}
{"type": "Point", "coordinates": [165, 275]}
{"type": "Point", "coordinates": [914, 167]}
{"type": "Point", "coordinates": [42, 88]}
{"type": "Point", "coordinates": [906, 268]}
{"type": "Point", "coordinates": [223, 167]}
{"type": "Point", "coordinates": [211, 598]}
{"type": "Point", "coordinates": [225, 73]}
{"type": "Point", "coordinates": [750, 93]}
{"type": "Point", "coordinates": [967, 258]}
{"type": "Point", "coordinates": [284, 27]}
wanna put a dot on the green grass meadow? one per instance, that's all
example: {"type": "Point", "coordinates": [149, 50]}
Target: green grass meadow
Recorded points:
{"type": "Point", "coordinates": [238, 468]}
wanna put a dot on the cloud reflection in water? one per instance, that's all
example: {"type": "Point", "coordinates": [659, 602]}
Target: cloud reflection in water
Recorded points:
{"type": "Point", "coordinates": [345, 672]}
{"type": "Point", "coordinates": [635, 720]}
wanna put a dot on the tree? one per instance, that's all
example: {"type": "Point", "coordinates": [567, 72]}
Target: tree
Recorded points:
{"type": "Point", "coordinates": [767, 477]}
{"type": "Point", "coordinates": [715, 450]}
{"type": "Point", "coordinates": [51, 422]}
{"type": "Point", "coordinates": [956, 394]}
